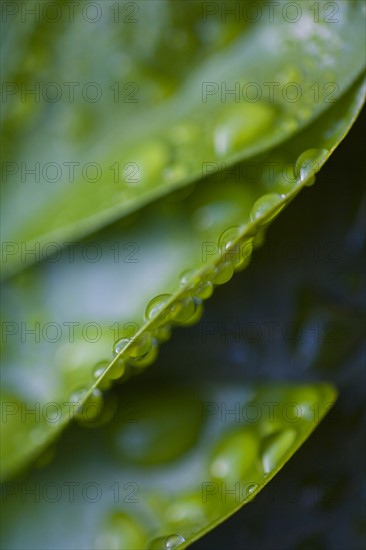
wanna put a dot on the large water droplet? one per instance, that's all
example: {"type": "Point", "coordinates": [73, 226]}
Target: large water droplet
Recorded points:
{"type": "Point", "coordinates": [116, 370]}
{"type": "Point", "coordinates": [142, 361]}
{"type": "Point", "coordinates": [234, 455]}
{"type": "Point", "coordinates": [91, 409]}
{"type": "Point", "coordinates": [223, 273]}
{"type": "Point", "coordinates": [275, 447]}
{"type": "Point", "coordinates": [266, 204]}
{"type": "Point", "coordinates": [170, 542]}
{"type": "Point", "coordinates": [308, 163]}
{"type": "Point", "coordinates": [239, 124]}
{"type": "Point", "coordinates": [182, 310]}
{"type": "Point", "coordinates": [162, 333]}
{"type": "Point", "coordinates": [188, 277]}
{"type": "Point", "coordinates": [156, 306]}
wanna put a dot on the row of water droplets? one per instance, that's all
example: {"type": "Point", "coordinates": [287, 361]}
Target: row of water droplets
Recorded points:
{"type": "Point", "coordinates": [164, 311]}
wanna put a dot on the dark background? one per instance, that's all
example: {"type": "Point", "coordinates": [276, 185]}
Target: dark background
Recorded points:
{"type": "Point", "coordinates": [317, 501]}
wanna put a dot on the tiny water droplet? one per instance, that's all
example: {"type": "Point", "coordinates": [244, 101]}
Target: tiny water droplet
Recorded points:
{"type": "Point", "coordinates": [308, 163]}
{"type": "Point", "coordinates": [166, 543]}
{"type": "Point", "coordinates": [275, 447]}
{"type": "Point", "coordinates": [265, 204]}
{"type": "Point", "coordinates": [156, 305]}
{"type": "Point", "coordinates": [252, 488]}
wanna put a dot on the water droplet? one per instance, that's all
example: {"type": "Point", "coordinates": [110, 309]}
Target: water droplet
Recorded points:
{"type": "Point", "coordinates": [228, 237]}
{"type": "Point", "coordinates": [78, 396]}
{"type": "Point", "coordinates": [252, 488]}
{"type": "Point", "coordinates": [142, 361]}
{"type": "Point", "coordinates": [98, 371]}
{"type": "Point", "coordinates": [120, 531]}
{"type": "Point", "coordinates": [275, 448]}
{"type": "Point", "coordinates": [188, 278]}
{"type": "Point", "coordinates": [182, 310]}
{"type": "Point", "coordinates": [203, 290]}
{"type": "Point", "coordinates": [234, 455]}
{"type": "Point", "coordinates": [239, 124]}
{"type": "Point", "coordinates": [91, 409]}
{"type": "Point", "coordinates": [116, 370]}
{"type": "Point", "coordinates": [137, 346]}
{"type": "Point", "coordinates": [266, 204]}
{"type": "Point", "coordinates": [223, 273]}
{"type": "Point", "coordinates": [308, 163]}
{"type": "Point", "coordinates": [167, 543]}
{"type": "Point", "coordinates": [162, 333]}
{"type": "Point", "coordinates": [188, 509]}
{"type": "Point", "coordinates": [120, 345]}
{"type": "Point", "coordinates": [242, 259]}
{"type": "Point", "coordinates": [156, 306]}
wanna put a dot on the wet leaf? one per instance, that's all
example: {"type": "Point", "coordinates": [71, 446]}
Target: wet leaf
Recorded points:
{"type": "Point", "coordinates": [222, 444]}
{"type": "Point", "coordinates": [98, 140]}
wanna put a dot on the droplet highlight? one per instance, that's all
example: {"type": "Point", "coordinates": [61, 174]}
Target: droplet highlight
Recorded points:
{"type": "Point", "coordinates": [266, 204]}
{"type": "Point", "coordinates": [308, 163]}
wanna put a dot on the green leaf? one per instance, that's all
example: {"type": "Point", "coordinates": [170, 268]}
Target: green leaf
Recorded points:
{"type": "Point", "coordinates": [77, 308]}
{"type": "Point", "coordinates": [172, 463]}
{"type": "Point", "coordinates": [176, 62]}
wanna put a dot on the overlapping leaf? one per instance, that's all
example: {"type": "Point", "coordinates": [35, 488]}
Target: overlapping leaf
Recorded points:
{"type": "Point", "coordinates": [62, 318]}
{"type": "Point", "coordinates": [169, 466]}
{"type": "Point", "coordinates": [164, 106]}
